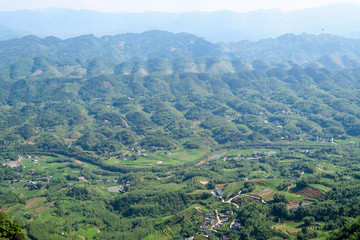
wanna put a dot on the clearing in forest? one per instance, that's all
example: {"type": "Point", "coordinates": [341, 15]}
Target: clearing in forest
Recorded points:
{"type": "Point", "coordinates": [34, 201]}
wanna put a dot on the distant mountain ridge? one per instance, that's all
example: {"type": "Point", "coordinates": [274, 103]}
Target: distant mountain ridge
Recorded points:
{"type": "Point", "coordinates": [298, 48]}
{"type": "Point", "coordinates": [284, 52]}
{"type": "Point", "coordinates": [119, 48]}
{"type": "Point", "coordinates": [221, 26]}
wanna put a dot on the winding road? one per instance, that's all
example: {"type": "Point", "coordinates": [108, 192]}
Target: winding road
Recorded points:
{"type": "Point", "coordinates": [230, 200]}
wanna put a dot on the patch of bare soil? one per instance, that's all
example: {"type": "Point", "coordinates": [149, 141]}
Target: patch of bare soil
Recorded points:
{"type": "Point", "coordinates": [78, 161]}
{"type": "Point", "coordinates": [258, 182]}
{"type": "Point", "coordinates": [247, 200]}
{"type": "Point", "coordinates": [320, 169]}
{"type": "Point", "coordinates": [198, 209]}
{"type": "Point", "coordinates": [203, 182]}
{"type": "Point", "coordinates": [32, 202]}
{"type": "Point", "coordinates": [221, 186]}
{"type": "Point", "coordinates": [311, 193]}
{"type": "Point", "coordinates": [42, 208]}
{"type": "Point", "coordinates": [71, 139]}
{"type": "Point", "coordinates": [266, 194]}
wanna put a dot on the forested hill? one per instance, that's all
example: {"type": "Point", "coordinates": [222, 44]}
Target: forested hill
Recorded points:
{"type": "Point", "coordinates": [298, 48]}
{"type": "Point", "coordinates": [117, 48]}
{"type": "Point", "coordinates": [174, 110]}
{"type": "Point", "coordinates": [322, 50]}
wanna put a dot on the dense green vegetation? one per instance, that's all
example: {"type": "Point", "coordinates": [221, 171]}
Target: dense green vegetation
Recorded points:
{"type": "Point", "coordinates": [9, 229]}
{"type": "Point", "coordinates": [135, 150]}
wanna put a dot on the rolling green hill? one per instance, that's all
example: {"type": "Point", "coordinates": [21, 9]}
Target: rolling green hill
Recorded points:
{"type": "Point", "coordinates": [286, 51]}
{"type": "Point", "coordinates": [148, 144]}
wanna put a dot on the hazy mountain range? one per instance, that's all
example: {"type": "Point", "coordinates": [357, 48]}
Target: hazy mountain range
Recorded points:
{"type": "Point", "coordinates": [221, 26]}
{"type": "Point", "coordinates": [284, 52]}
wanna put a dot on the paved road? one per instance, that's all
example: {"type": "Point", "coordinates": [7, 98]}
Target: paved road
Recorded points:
{"type": "Point", "coordinates": [230, 200]}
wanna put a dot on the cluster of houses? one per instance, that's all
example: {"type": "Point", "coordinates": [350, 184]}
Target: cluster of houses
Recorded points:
{"type": "Point", "coordinates": [12, 163]}
{"type": "Point", "coordinates": [222, 237]}
{"type": "Point", "coordinates": [287, 112]}
{"type": "Point", "coordinates": [211, 223]}
{"type": "Point", "coordinates": [154, 149]}
{"type": "Point", "coordinates": [35, 184]}
{"type": "Point", "coordinates": [235, 225]}
{"type": "Point", "coordinates": [226, 214]}
{"type": "Point", "coordinates": [257, 154]}
{"type": "Point", "coordinates": [103, 180]}
{"type": "Point", "coordinates": [218, 192]}
{"type": "Point", "coordinates": [124, 182]}
{"type": "Point", "coordinates": [82, 179]}
{"type": "Point", "coordinates": [210, 220]}
{"type": "Point", "coordinates": [319, 139]}
{"type": "Point", "coordinates": [35, 159]}
{"type": "Point", "coordinates": [254, 155]}
{"type": "Point", "coordinates": [136, 151]}
{"type": "Point", "coordinates": [207, 165]}
{"type": "Point", "coordinates": [120, 188]}
{"type": "Point", "coordinates": [352, 143]}
{"type": "Point", "coordinates": [17, 163]}
{"type": "Point", "coordinates": [140, 151]}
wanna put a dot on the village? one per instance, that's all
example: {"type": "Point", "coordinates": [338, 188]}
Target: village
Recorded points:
{"type": "Point", "coordinates": [214, 220]}
{"type": "Point", "coordinates": [39, 182]}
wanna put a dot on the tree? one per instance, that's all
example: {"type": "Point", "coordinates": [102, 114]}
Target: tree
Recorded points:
{"type": "Point", "coordinates": [349, 231]}
{"type": "Point", "coordinates": [279, 197]}
{"type": "Point", "coordinates": [308, 221]}
{"type": "Point", "coordinates": [280, 209]}
{"type": "Point", "coordinates": [10, 229]}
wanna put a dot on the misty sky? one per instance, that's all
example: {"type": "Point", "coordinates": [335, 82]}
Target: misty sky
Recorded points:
{"type": "Point", "coordinates": [167, 5]}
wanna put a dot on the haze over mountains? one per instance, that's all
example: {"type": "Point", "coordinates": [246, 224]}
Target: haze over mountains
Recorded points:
{"type": "Point", "coordinates": [145, 126]}
{"type": "Point", "coordinates": [221, 26]}
{"type": "Point", "coordinates": [184, 52]}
